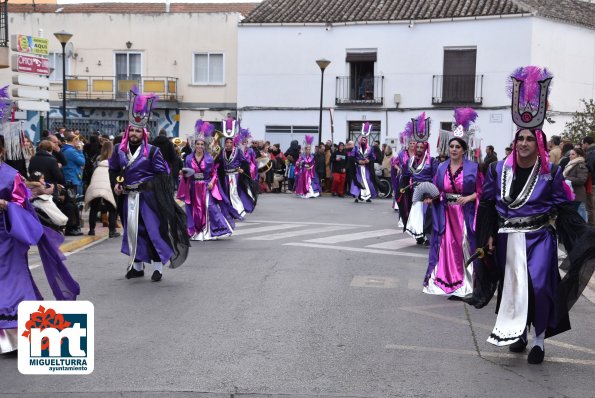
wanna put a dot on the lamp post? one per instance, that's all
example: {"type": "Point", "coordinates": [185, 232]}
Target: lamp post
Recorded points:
{"type": "Point", "coordinates": [322, 63]}
{"type": "Point", "coordinates": [63, 38]}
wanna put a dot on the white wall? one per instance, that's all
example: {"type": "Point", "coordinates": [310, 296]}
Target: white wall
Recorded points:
{"type": "Point", "coordinates": [277, 69]}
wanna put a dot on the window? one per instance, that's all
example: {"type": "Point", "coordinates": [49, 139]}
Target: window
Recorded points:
{"type": "Point", "coordinates": [458, 84]}
{"type": "Point", "coordinates": [128, 66]}
{"type": "Point", "coordinates": [283, 135]}
{"type": "Point", "coordinates": [56, 64]}
{"type": "Point", "coordinates": [207, 68]}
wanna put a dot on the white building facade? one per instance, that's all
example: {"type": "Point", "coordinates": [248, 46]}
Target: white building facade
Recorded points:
{"type": "Point", "coordinates": [389, 72]}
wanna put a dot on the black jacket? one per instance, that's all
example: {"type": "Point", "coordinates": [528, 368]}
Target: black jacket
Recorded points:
{"type": "Point", "coordinates": [167, 150]}
{"type": "Point", "coordinates": [47, 164]}
{"type": "Point", "coordinates": [590, 160]}
{"type": "Point", "coordinates": [339, 165]}
{"type": "Point", "coordinates": [320, 165]}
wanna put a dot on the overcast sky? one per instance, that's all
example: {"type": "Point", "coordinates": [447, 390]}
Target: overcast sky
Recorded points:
{"type": "Point", "coordinates": [156, 1]}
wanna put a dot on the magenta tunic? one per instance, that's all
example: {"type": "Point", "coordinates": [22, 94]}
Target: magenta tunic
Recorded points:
{"type": "Point", "coordinates": [306, 177]}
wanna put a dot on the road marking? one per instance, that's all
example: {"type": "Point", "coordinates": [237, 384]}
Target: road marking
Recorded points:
{"type": "Point", "coordinates": [485, 354]}
{"type": "Point", "coordinates": [66, 254]}
{"type": "Point", "coordinates": [266, 229]}
{"type": "Point", "coordinates": [310, 223]}
{"type": "Point", "coordinates": [292, 234]}
{"type": "Point", "coordinates": [394, 244]}
{"type": "Point", "coordinates": [383, 282]}
{"type": "Point", "coordinates": [246, 224]}
{"type": "Point", "coordinates": [420, 311]}
{"type": "Point", "coordinates": [360, 250]}
{"type": "Point", "coordinates": [356, 236]}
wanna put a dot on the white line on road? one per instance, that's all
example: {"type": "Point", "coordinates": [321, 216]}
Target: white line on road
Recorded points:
{"type": "Point", "coordinates": [356, 236]}
{"type": "Point", "coordinates": [394, 244]}
{"type": "Point", "coordinates": [246, 224]}
{"type": "Point", "coordinates": [310, 223]}
{"type": "Point", "coordinates": [310, 231]}
{"type": "Point", "coordinates": [75, 251]}
{"type": "Point", "coordinates": [266, 229]}
{"type": "Point", "coordinates": [484, 354]}
{"type": "Point", "coordinates": [356, 249]}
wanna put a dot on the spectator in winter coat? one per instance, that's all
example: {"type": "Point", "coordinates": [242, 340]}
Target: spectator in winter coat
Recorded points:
{"type": "Point", "coordinates": [577, 173]}
{"type": "Point", "coordinates": [44, 162]}
{"type": "Point", "coordinates": [75, 161]}
{"type": "Point", "coordinates": [339, 168]}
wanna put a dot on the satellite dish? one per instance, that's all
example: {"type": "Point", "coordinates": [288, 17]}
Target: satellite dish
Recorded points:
{"type": "Point", "coordinates": [69, 50]}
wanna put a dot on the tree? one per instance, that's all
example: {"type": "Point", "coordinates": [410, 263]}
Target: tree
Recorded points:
{"type": "Point", "coordinates": [582, 124]}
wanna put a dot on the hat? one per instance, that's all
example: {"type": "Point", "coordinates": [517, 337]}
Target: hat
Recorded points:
{"type": "Point", "coordinates": [464, 117]}
{"type": "Point", "coordinates": [140, 107]}
{"type": "Point", "coordinates": [421, 128]}
{"type": "Point", "coordinates": [529, 87]}
{"type": "Point", "coordinates": [11, 132]}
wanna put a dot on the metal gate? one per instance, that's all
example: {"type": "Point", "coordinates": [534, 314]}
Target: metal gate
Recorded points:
{"type": "Point", "coordinates": [103, 126]}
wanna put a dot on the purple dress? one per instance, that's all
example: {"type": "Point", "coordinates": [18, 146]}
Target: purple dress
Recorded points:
{"type": "Point", "coordinates": [453, 232]}
{"type": "Point", "coordinates": [19, 229]}
{"type": "Point", "coordinates": [240, 197]}
{"type": "Point", "coordinates": [526, 252]}
{"type": "Point", "coordinates": [307, 184]}
{"type": "Point", "coordinates": [419, 221]}
{"type": "Point", "coordinates": [150, 245]}
{"type": "Point", "coordinates": [206, 217]}
{"type": "Point", "coordinates": [364, 189]}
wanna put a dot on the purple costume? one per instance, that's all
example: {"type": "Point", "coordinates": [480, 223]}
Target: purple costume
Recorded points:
{"type": "Point", "coordinates": [307, 184]}
{"type": "Point", "coordinates": [233, 187]}
{"type": "Point", "coordinates": [362, 186]}
{"type": "Point", "coordinates": [139, 205]}
{"type": "Point", "coordinates": [207, 211]}
{"type": "Point", "coordinates": [420, 217]}
{"type": "Point", "coordinates": [453, 233]}
{"type": "Point", "coordinates": [19, 229]}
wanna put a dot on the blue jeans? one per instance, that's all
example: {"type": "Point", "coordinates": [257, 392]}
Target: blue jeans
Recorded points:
{"type": "Point", "coordinates": [582, 210]}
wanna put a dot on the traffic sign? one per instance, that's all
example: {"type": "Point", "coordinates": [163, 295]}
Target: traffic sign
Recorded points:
{"type": "Point", "coordinates": [31, 92]}
{"type": "Point", "coordinates": [30, 80]}
{"type": "Point", "coordinates": [41, 106]}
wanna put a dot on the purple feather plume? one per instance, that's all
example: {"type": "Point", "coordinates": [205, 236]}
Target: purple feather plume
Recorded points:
{"type": "Point", "coordinates": [207, 129]}
{"type": "Point", "coordinates": [198, 125]}
{"type": "Point", "coordinates": [4, 92]}
{"type": "Point", "coordinates": [309, 139]}
{"type": "Point", "coordinates": [465, 117]}
{"type": "Point", "coordinates": [367, 127]}
{"type": "Point", "coordinates": [530, 76]}
{"type": "Point", "coordinates": [407, 133]}
{"type": "Point", "coordinates": [421, 122]}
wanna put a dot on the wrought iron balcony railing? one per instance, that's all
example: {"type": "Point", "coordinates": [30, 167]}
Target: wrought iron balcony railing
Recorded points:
{"type": "Point", "coordinates": [359, 91]}
{"type": "Point", "coordinates": [457, 89]}
{"type": "Point", "coordinates": [117, 87]}
{"type": "Point", "coordinates": [4, 23]}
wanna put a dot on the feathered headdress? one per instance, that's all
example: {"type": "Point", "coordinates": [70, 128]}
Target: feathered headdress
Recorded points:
{"type": "Point", "coordinates": [366, 129]}
{"type": "Point", "coordinates": [308, 141]}
{"type": "Point", "coordinates": [243, 135]}
{"type": "Point", "coordinates": [11, 132]}
{"type": "Point", "coordinates": [140, 107]}
{"type": "Point", "coordinates": [203, 130]}
{"type": "Point", "coordinates": [529, 87]}
{"type": "Point", "coordinates": [230, 127]}
{"type": "Point", "coordinates": [406, 135]}
{"type": "Point", "coordinates": [463, 119]}
{"type": "Point", "coordinates": [421, 128]}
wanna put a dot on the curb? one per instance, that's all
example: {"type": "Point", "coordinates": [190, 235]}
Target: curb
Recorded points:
{"type": "Point", "coordinates": [80, 243]}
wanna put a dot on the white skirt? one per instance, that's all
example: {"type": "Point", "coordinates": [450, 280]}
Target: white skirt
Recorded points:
{"type": "Point", "coordinates": [415, 222]}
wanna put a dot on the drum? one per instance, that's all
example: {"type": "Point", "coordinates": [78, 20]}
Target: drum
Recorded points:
{"type": "Point", "coordinates": [264, 164]}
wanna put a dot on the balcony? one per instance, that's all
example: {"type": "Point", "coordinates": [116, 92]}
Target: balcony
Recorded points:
{"type": "Point", "coordinates": [117, 88]}
{"type": "Point", "coordinates": [457, 89]}
{"type": "Point", "coordinates": [364, 91]}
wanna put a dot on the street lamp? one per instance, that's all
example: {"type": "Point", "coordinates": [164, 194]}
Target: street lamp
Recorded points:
{"type": "Point", "coordinates": [322, 63]}
{"type": "Point", "coordinates": [63, 38]}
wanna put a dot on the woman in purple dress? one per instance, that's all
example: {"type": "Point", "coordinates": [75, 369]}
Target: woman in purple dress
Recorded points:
{"type": "Point", "coordinates": [307, 184]}
{"type": "Point", "coordinates": [199, 190]}
{"type": "Point", "coordinates": [362, 183]}
{"type": "Point", "coordinates": [19, 229]}
{"type": "Point", "coordinates": [453, 223]}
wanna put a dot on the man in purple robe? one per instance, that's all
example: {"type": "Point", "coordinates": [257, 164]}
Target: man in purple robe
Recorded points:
{"type": "Point", "coordinates": [521, 197]}
{"type": "Point", "coordinates": [363, 183]}
{"type": "Point", "coordinates": [154, 225]}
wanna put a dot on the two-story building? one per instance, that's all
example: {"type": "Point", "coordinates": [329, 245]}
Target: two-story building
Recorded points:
{"type": "Point", "coordinates": [392, 59]}
{"type": "Point", "coordinates": [185, 53]}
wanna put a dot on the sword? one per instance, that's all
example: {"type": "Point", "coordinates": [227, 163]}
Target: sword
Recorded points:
{"type": "Point", "coordinates": [480, 253]}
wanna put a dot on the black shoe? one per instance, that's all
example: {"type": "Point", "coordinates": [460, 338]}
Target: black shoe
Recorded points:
{"type": "Point", "coordinates": [91, 232]}
{"type": "Point", "coordinates": [334, 194]}
{"type": "Point", "coordinates": [518, 346]}
{"type": "Point", "coordinates": [73, 232]}
{"type": "Point", "coordinates": [419, 241]}
{"type": "Point", "coordinates": [134, 274]}
{"type": "Point", "coordinates": [426, 242]}
{"type": "Point", "coordinates": [536, 355]}
{"type": "Point", "coordinates": [356, 200]}
{"type": "Point", "coordinates": [114, 234]}
{"type": "Point", "coordinates": [156, 277]}
{"type": "Point", "coordinates": [341, 196]}
{"type": "Point", "coordinates": [369, 200]}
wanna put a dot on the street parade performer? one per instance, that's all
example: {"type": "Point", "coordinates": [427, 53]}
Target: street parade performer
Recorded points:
{"type": "Point", "coordinates": [421, 168]}
{"type": "Point", "coordinates": [237, 182]}
{"type": "Point", "coordinates": [154, 225]}
{"type": "Point", "coordinates": [521, 197]}
{"type": "Point", "coordinates": [400, 176]}
{"type": "Point", "coordinates": [452, 242]}
{"type": "Point", "coordinates": [362, 181]}
{"type": "Point", "coordinates": [307, 184]}
{"type": "Point", "coordinates": [19, 229]}
{"type": "Point", "coordinates": [207, 210]}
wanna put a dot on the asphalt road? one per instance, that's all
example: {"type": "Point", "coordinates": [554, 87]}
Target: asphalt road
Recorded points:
{"type": "Point", "coordinates": [318, 297]}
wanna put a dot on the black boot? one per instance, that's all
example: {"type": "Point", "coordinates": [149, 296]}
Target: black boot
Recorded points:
{"type": "Point", "coordinates": [518, 346]}
{"type": "Point", "coordinates": [536, 355]}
